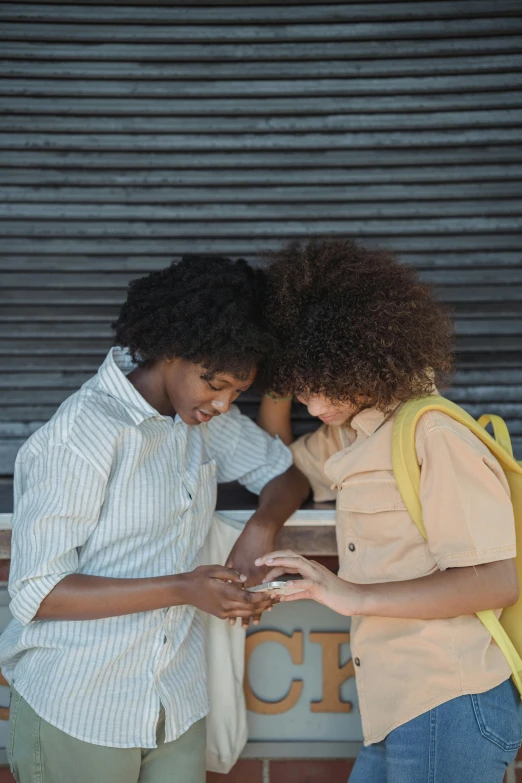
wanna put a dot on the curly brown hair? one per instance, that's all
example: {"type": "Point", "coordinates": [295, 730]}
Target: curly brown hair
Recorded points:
{"type": "Point", "coordinates": [354, 324]}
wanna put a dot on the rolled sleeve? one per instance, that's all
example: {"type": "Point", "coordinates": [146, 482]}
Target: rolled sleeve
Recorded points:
{"type": "Point", "coordinates": [465, 497]}
{"type": "Point", "coordinates": [244, 452]}
{"type": "Point", "coordinates": [310, 453]}
{"type": "Point", "coordinates": [57, 508]}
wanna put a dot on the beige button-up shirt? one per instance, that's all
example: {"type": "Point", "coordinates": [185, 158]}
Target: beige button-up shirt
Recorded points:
{"type": "Point", "coordinates": [404, 668]}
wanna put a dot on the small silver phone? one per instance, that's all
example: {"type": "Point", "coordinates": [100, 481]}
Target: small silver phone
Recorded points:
{"type": "Point", "coordinates": [280, 587]}
{"type": "Point", "coordinates": [267, 587]}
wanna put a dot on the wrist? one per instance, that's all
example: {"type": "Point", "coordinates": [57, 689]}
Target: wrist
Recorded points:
{"type": "Point", "coordinates": [275, 398]}
{"type": "Point", "coordinates": [365, 605]}
{"type": "Point", "coordinates": [180, 589]}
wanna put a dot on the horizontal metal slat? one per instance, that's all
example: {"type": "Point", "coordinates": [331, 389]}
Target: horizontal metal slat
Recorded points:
{"type": "Point", "coordinates": [428, 259]}
{"type": "Point", "coordinates": [129, 127]}
{"type": "Point", "coordinates": [74, 347]}
{"type": "Point", "coordinates": [286, 158]}
{"type": "Point", "coordinates": [376, 210]}
{"type": "Point", "coordinates": [106, 69]}
{"type": "Point", "coordinates": [42, 380]}
{"type": "Point", "coordinates": [282, 50]}
{"type": "Point", "coordinates": [295, 105]}
{"type": "Point", "coordinates": [274, 194]}
{"type": "Point", "coordinates": [262, 228]}
{"type": "Point", "coordinates": [249, 245]}
{"type": "Point", "coordinates": [442, 173]}
{"type": "Point", "coordinates": [330, 88]}
{"type": "Point", "coordinates": [256, 13]}
{"type": "Point", "coordinates": [238, 142]}
{"type": "Point", "coordinates": [184, 33]}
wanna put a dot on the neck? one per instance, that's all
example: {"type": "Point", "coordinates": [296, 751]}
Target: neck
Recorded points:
{"type": "Point", "coordinates": [148, 382]}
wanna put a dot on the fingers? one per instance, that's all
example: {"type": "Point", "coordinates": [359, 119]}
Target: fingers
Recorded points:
{"type": "Point", "coordinates": [272, 555]}
{"type": "Point", "coordinates": [255, 619]}
{"type": "Point", "coordinates": [277, 572]}
{"type": "Point", "coordinates": [300, 596]}
{"type": "Point", "coordinates": [227, 574]}
{"type": "Point", "coordinates": [301, 584]}
{"type": "Point", "coordinates": [294, 564]}
{"type": "Point", "coordinates": [238, 607]}
{"type": "Point", "coordinates": [243, 613]}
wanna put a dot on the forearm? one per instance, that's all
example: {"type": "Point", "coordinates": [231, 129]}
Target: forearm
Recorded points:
{"type": "Point", "coordinates": [443, 594]}
{"type": "Point", "coordinates": [280, 498]}
{"type": "Point", "coordinates": [275, 418]}
{"type": "Point", "coordinates": [83, 597]}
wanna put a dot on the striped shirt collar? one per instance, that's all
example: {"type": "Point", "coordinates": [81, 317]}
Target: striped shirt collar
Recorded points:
{"type": "Point", "coordinates": [112, 377]}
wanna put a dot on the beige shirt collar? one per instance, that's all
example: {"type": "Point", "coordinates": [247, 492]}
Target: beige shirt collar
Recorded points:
{"type": "Point", "coordinates": [368, 420]}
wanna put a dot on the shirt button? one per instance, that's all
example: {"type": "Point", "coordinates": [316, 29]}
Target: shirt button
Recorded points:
{"type": "Point", "coordinates": [357, 661]}
{"type": "Point", "coordinates": [351, 547]}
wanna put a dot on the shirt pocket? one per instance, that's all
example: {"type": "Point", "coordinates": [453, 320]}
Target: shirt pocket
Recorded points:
{"type": "Point", "coordinates": [390, 545]}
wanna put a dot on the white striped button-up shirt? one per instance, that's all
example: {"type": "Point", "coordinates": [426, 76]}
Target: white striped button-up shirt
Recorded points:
{"type": "Point", "coordinates": [109, 487]}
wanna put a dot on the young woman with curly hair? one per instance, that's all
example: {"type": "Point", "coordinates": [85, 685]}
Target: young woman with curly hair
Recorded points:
{"type": "Point", "coordinates": [360, 336]}
{"type": "Point", "coordinates": [114, 498]}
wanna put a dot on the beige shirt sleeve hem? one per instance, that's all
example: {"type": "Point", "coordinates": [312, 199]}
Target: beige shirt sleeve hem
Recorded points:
{"type": "Point", "coordinates": [476, 557]}
{"type": "Point", "coordinates": [310, 452]}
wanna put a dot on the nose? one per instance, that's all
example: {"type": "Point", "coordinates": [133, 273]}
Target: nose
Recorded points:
{"type": "Point", "coordinates": [222, 404]}
{"type": "Point", "coordinates": [316, 408]}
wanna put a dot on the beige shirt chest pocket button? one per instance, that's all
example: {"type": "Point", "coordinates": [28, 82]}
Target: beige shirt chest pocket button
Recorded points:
{"type": "Point", "coordinates": [378, 527]}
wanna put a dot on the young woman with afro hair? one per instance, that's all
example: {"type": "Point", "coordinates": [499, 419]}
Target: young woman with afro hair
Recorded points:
{"type": "Point", "coordinates": [360, 336]}
{"type": "Point", "coordinates": [114, 498]}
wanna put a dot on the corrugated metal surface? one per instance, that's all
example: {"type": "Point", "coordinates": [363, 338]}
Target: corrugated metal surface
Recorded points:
{"type": "Point", "coordinates": [132, 133]}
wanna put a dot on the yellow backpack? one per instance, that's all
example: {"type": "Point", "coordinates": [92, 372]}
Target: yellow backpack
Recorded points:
{"type": "Point", "coordinates": [507, 632]}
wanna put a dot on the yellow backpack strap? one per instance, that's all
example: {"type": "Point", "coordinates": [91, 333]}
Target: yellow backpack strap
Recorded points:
{"type": "Point", "coordinates": [500, 430]}
{"type": "Point", "coordinates": [406, 469]}
{"type": "Point", "coordinates": [404, 453]}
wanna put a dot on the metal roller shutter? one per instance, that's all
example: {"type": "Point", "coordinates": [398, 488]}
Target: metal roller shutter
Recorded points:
{"type": "Point", "coordinates": [132, 133]}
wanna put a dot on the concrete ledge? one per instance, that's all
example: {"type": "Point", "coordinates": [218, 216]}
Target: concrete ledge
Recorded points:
{"type": "Point", "coordinates": [310, 531]}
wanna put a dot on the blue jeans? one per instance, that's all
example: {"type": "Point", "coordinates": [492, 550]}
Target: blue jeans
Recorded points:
{"type": "Point", "coordinates": [470, 738]}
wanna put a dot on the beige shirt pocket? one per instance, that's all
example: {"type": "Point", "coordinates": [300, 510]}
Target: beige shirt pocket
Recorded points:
{"type": "Point", "coordinates": [372, 517]}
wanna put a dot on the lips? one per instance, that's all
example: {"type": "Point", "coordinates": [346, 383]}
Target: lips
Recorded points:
{"type": "Point", "coordinates": [328, 419]}
{"type": "Point", "coordinates": [203, 416]}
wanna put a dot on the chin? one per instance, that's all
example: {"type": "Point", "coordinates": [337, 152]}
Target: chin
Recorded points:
{"type": "Point", "coordinates": [189, 419]}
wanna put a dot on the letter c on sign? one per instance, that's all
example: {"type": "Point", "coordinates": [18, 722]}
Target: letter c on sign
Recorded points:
{"type": "Point", "coordinates": [294, 645]}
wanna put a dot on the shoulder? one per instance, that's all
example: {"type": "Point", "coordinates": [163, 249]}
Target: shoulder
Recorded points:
{"type": "Point", "coordinates": [88, 423]}
{"type": "Point", "coordinates": [437, 431]}
{"type": "Point", "coordinates": [226, 425]}
{"type": "Point", "coordinates": [229, 428]}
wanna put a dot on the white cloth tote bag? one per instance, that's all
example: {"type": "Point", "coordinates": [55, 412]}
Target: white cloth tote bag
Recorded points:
{"type": "Point", "coordinates": [227, 731]}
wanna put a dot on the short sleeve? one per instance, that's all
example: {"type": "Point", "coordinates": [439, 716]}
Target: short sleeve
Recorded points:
{"type": "Point", "coordinates": [244, 452]}
{"type": "Point", "coordinates": [310, 454]}
{"type": "Point", "coordinates": [465, 497]}
{"type": "Point", "coordinates": [55, 511]}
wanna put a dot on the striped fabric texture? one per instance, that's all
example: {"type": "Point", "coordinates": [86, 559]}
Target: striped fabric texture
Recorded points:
{"type": "Point", "coordinates": [110, 487]}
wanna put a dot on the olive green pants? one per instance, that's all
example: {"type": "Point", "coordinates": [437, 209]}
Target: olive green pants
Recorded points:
{"type": "Point", "coordinates": [41, 753]}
